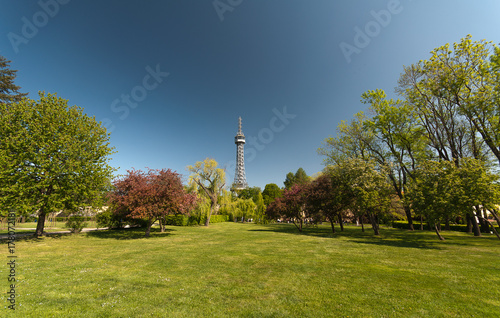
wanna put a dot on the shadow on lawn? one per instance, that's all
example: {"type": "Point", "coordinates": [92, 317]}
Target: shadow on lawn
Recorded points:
{"type": "Point", "coordinates": [388, 237]}
{"type": "Point", "coordinates": [128, 234]}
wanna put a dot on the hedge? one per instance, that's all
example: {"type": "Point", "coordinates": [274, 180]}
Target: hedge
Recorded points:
{"type": "Point", "coordinates": [183, 220]}
{"type": "Point", "coordinates": [416, 225]}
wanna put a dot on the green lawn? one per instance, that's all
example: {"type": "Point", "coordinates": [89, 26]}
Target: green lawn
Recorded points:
{"type": "Point", "coordinates": [248, 270]}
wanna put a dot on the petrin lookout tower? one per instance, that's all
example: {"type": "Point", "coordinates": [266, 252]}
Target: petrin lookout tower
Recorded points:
{"type": "Point", "coordinates": [240, 179]}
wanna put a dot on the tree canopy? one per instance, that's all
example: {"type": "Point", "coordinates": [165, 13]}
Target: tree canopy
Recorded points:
{"type": "Point", "coordinates": [52, 156]}
{"type": "Point", "coordinates": [150, 195]}
{"type": "Point", "coordinates": [9, 92]}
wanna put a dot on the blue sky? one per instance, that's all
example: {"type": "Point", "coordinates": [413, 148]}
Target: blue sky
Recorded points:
{"type": "Point", "coordinates": [171, 78]}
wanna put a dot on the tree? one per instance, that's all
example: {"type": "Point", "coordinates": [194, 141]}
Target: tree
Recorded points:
{"type": "Point", "coordinates": [211, 179]}
{"type": "Point", "coordinates": [401, 141]}
{"type": "Point", "coordinates": [245, 209]}
{"type": "Point", "coordinates": [260, 210]}
{"type": "Point", "coordinates": [270, 193]}
{"type": "Point", "coordinates": [52, 157]}
{"type": "Point", "coordinates": [249, 193]}
{"type": "Point", "coordinates": [9, 92]}
{"type": "Point", "coordinates": [150, 195]}
{"type": "Point", "coordinates": [454, 93]}
{"type": "Point", "coordinates": [369, 187]}
{"type": "Point", "coordinates": [301, 177]}
{"type": "Point", "coordinates": [443, 191]}
{"type": "Point", "coordinates": [289, 180]}
{"type": "Point", "coordinates": [293, 205]}
{"type": "Point", "coordinates": [329, 195]}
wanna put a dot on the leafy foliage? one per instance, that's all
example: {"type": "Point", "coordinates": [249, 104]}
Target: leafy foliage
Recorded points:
{"type": "Point", "coordinates": [150, 195]}
{"type": "Point", "coordinates": [210, 179]}
{"type": "Point", "coordinates": [76, 223]}
{"type": "Point", "coordinates": [52, 157]}
{"type": "Point", "coordinates": [270, 193]}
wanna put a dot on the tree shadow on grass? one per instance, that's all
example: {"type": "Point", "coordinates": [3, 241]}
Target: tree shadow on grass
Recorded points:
{"type": "Point", "coordinates": [388, 237]}
{"type": "Point", "coordinates": [128, 234]}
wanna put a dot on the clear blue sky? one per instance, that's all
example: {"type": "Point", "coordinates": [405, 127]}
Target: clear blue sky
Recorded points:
{"type": "Point", "coordinates": [248, 58]}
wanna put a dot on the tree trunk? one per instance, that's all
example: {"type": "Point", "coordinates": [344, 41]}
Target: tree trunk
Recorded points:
{"type": "Point", "coordinates": [447, 224]}
{"type": "Point", "coordinates": [475, 226]}
{"type": "Point", "coordinates": [485, 219]}
{"type": "Point", "coordinates": [341, 222]}
{"type": "Point", "coordinates": [421, 223]}
{"type": "Point", "coordinates": [40, 223]}
{"type": "Point", "coordinates": [493, 229]}
{"type": "Point", "coordinates": [485, 228]}
{"type": "Point", "coordinates": [207, 221]}
{"type": "Point", "coordinates": [437, 232]}
{"type": "Point", "coordinates": [297, 226]}
{"type": "Point", "coordinates": [362, 225]}
{"type": "Point", "coordinates": [148, 228]}
{"type": "Point", "coordinates": [495, 215]}
{"type": "Point", "coordinates": [468, 229]}
{"type": "Point", "coordinates": [162, 224]}
{"type": "Point", "coordinates": [408, 217]}
{"type": "Point", "coordinates": [332, 223]}
{"type": "Point", "coordinates": [373, 221]}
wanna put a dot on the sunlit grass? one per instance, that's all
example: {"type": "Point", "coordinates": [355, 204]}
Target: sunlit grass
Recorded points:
{"type": "Point", "coordinates": [248, 270]}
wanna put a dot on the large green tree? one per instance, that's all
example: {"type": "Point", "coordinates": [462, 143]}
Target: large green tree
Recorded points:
{"type": "Point", "coordinates": [300, 177]}
{"type": "Point", "coordinates": [52, 157]}
{"type": "Point", "coordinates": [9, 92]}
{"type": "Point", "coordinates": [270, 193]}
{"type": "Point", "coordinates": [455, 95]}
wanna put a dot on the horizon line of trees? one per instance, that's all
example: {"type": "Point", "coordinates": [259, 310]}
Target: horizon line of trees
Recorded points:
{"type": "Point", "coordinates": [438, 147]}
{"type": "Point", "coordinates": [433, 154]}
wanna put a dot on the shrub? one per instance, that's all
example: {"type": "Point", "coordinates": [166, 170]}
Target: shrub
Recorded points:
{"type": "Point", "coordinates": [177, 220]}
{"type": "Point", "coordinates": [108, 219]}
{"type": "Point", "coordinates": [76, 223]}
{"type": "Point", "coordinates": [218, 218]}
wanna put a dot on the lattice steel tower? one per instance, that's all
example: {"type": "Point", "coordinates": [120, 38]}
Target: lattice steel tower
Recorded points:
{"type": "Point", "coordinates": [240, 180]}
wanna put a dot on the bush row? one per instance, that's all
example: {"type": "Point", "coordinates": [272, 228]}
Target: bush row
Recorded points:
{"type": "Point", "coordinates": [416, 225]}
{"type": "Point", "coordinates": [108, 219]}
{"type": "Point", "coordinates": [183, 220]}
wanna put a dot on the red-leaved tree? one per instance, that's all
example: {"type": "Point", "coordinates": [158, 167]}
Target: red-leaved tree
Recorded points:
{"type": "Point", "coordinates": [330, 197]}
{"type": "Point", "coordinates": [292, 205]}
{"type": "Point", "coordinates": [150, 195]}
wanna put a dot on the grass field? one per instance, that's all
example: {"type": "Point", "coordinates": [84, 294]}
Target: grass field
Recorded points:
{"type": "Point", "coordinates": [248, 270]}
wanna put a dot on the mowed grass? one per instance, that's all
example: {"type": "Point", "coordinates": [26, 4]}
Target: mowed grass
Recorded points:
{"type": "Point", "coordinates": [249, 270]}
